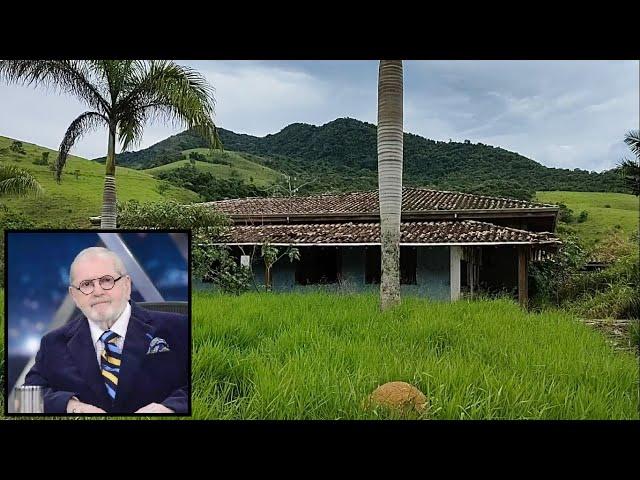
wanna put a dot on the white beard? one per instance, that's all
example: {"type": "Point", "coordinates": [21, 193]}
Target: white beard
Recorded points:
{"type": "Point", "coordinates": [105, 315]}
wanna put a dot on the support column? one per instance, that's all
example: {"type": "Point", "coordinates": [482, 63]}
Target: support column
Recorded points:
{"type": "Point", "coordinates": [455, 255]}
{"type": "Point", "coordinates": [267, 279]}
{"type": "Point", "coordinates": [523, 267]}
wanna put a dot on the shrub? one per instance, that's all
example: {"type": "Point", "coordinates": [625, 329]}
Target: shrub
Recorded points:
{"type": "Point", "coordinates": [162, 187]}
{"type": "Point", "coordinates": [565, 214]}
{"type": "Point", "coordinates": [583, 216]}
{"type": "Point", "coordinates": [17, 147]}
{"type": "Point", "coordinates": [209, 261]}
{"type": "Point", "coordinates": [550, 276]}
{"type": "Point", "coordinates": [195, 156]}
{"type": "Point", "coordinates": [216, 264]}
{"type": "Point", "coordinates": [43, 160]}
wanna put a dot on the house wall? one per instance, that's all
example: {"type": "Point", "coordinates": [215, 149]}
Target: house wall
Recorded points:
{"type": "Point", "coordinates": [283, 275]}
{"type": "Point", "coordinates": [353, 267]}
{"type": "Point", "coordinates": [432, 274]}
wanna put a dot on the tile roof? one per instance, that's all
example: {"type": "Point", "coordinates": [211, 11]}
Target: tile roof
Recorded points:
{"type": "Point", "coordinates": [467, 231]}
{"type": "Point", "coordinates": [413, 200]}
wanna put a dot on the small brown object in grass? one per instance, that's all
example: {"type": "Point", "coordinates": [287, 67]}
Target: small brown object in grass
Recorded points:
{"type": "Point", "coordinates": [399, 396]}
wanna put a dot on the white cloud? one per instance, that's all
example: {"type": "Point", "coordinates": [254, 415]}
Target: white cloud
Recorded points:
{"type": "Point", "coordinates": [560, 113]}
{"type": "Point", "coordinates": [257, 99]}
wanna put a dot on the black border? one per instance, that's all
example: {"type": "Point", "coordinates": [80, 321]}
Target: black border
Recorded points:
{"type": "Point", "coordinates": [349, 32]}
{"type": "Point", "coordinates": [69, 416]}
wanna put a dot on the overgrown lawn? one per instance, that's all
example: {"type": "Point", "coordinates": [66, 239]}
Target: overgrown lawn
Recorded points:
{"type": "Point", "coordinates": [318, 356]}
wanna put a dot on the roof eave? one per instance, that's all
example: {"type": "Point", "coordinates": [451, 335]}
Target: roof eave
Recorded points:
{"type": "Point", "coordinates": [406, 215]}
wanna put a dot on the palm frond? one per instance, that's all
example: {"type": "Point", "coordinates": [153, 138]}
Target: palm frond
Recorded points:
{"type": "Point", "coordinates": [632, 139]}
{"type": "Point", "coordinates": [130, 128]}
{"type": "Point", "coordinates": [70, 76]}
{"type": "Point", "coordinates": [18, 182]}
{"type": "Point", "coordinates": [81, 125]}
{"type": "Point", "coordinates": [115, 76]}
{"type": "Point", "coordinates": [167, 91]}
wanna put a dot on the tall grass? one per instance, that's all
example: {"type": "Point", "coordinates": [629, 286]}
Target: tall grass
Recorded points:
{"type": "Point", "coordinates": [318, 356]}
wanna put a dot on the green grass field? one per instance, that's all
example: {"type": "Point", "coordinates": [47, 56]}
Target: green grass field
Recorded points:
{"type": "Point", "coordinates": [243, 168]}
{"type": "Point", "coordinates": [73, 201]}
{"type": "Point", "coordinates": [318, 356]}
{"type": "Point", "coordinates": [621, 215]}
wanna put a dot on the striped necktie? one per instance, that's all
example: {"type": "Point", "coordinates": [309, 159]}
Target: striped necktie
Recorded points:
{"type": "Point", "coordinates": [110, 362]}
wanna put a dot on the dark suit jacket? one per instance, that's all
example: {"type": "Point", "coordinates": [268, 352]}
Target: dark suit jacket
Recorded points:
{"type": "Point", "coordinates": [66, 365]}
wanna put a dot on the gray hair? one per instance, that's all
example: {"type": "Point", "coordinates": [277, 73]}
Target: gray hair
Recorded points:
{"type": "Point", "coordinates": [98, 252]}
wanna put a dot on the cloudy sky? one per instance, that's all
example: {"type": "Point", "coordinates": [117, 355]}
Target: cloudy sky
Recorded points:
{"type": "Point", "coordinates": [568, 114]}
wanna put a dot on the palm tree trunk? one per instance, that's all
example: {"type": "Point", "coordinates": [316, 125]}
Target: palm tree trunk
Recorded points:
{"type": "Point", "coordinates": [390, 149]}
{"type": "Point", "coordinates": [108, 218]}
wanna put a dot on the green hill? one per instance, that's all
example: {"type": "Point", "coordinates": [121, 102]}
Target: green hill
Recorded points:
{"type": "Point", "coordinates": [341, 155]}
{"type": "Point", "coordinates": [607, 213]}
{"type": "Point", "coordinates": [71, 203]}
{"type": "Point", "coordinates": [225, 165]}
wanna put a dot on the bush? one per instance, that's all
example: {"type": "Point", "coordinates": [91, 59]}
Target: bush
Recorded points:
{"type": "Point", "coordinates": [617, 301]}
{"type": "Point", "coordinates": [162, 187]}
{"type": "Point", "coordinates": [607, 205]}
{"type": "Point", "coordinates": [613, 247]}
{"type": "Point", "coordinates": [551, 276]}
{"type": "Point", "coordinates": [17, 147]}
{"type": "Point", "coordinates": [215, 263]}
{"type": "Point", "coordinates": [43, 160]}
{"type": "Point", "coordinates": [583, 216]}
{"type": "Point", "coordinates": [209, 261]}
{"type": "Point", "coordinates": [565, 214]}
{"type": "Point", "coordinates": [608, 293]}
{"type": "Point", "coordinates": [195, 156]}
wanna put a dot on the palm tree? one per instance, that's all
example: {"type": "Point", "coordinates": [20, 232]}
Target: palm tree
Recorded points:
{"type": "Point", "coordinates": [15, 181]}
{"type": "Point", "coordinates": [631, 168]}
{"type": "Point", "coordinates": [122, 95]}
{"type": "Point", "coordinates": [390, 177]}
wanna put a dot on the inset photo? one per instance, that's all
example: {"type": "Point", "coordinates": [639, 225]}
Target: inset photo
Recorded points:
{"type": "Point", "coordinates": [97, 323]}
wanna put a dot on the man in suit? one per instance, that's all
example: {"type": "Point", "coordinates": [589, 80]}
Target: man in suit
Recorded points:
{"type": "Point", "coordinates": [117, 357]}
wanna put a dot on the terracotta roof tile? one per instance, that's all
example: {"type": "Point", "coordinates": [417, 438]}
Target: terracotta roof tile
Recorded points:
{"type": "Point", "coordinates": [413, 199]}
{"type": "Point", "coordinates": [467, 231]}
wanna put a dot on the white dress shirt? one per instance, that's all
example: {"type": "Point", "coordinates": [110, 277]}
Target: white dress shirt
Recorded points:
{"type": "Point", "coordinates": [120, 327]}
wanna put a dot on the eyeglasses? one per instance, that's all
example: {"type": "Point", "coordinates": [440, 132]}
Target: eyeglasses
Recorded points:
{"type": "Point", "coordinates": [106, 283]}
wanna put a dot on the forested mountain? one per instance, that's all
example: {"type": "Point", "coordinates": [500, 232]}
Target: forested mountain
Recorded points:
{"type": "Point", "coordinates": [341, 155]}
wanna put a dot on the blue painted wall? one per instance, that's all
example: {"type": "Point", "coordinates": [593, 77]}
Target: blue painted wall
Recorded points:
{"type": "Point", "coordinates": [432, 274]}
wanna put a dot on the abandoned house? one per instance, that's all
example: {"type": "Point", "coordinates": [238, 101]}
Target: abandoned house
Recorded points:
{"type": "Point", "coordinates": [451, 242]}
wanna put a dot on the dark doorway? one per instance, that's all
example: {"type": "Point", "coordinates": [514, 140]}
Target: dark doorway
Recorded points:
{"type": "Point", "coordinates": [318, 265]}
{"type": "Point", "coordinates": [372, 265]}
{"type": "Point", "coordinates": [408, 262]}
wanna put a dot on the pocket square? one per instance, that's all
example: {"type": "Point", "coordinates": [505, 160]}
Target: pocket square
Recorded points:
{"type": "Point", "coordinates": [157, 345]}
